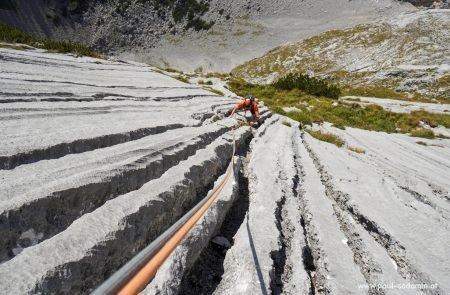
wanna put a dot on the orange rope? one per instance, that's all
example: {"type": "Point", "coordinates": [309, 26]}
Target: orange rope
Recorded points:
{"type": "Point", "coordinates": [148, 272]}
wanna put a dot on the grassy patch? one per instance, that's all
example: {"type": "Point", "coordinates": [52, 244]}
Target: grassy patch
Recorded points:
{"type": "Point", "coordinates": [383, 92]}
{"type": "Point", "coordinates": [216, 75]}
{"type": "Point", "coordinates": [356, 150]}
{"type": "Point", "coordinates": [341, 115]}
{"type": "Point", "coordinates": [442, 136]}
{"type": "Point", "coordinates": [218, 92]}
{"type": "Point", "coordinates": [11, 35]}
{"type": "Point", "coordinates": [182, 79]}
{"type": "Point", "coordinates": [355, 99]}
{"type": "Point", "coordinates": [371, 91]}
{"type": "Point", "coordinates": [424, 133]}
{"type": "Point", "coordinates": [286, 123]}
{"type": "Point", "coordinates": [327, 137]}
{"type": "Point", "coordinates": [422, 143]}
{"type": "Point", "coordinates": [243, 123]}
{"type": "Point", "coordinates": [171, 70]}
{"type": "Point", "coordinates": [443, 82]}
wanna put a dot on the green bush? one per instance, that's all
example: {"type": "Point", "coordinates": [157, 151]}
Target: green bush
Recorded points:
{"type": "Point", "coordinates": [311, 85]}
{"type": "Point", "coordinates": [11, 35]}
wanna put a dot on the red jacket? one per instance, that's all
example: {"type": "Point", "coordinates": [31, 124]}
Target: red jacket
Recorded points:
{"type": "Point", "coordinates": [252, 107]}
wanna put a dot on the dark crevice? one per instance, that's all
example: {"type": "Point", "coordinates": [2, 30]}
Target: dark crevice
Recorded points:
{"type": "Point", "coordinates": [279, 257]}
{"type": "Point", "coordinates": [308, 260]}
{"type": "Point", "coordinates": [312, 256]}
{"type": "Point", "coordinates": [206, 274]}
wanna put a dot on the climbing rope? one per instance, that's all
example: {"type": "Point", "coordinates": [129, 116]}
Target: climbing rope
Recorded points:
{"type": "Point", "coordinates": [138, 272]}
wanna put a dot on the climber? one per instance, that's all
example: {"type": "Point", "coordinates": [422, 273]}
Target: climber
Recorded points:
{"type": "Point", "coordinates": [248, 104]}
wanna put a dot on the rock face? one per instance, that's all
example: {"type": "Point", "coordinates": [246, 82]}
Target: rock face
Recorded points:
{"type": "Point", "coordinates": [98, 158]}
{"type": "Point", "coordinates": [102, 147]}
{"type": "Point", "coordinates": [215, 35]}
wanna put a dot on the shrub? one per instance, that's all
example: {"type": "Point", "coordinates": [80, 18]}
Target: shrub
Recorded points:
{"type": "Point", "coordinates": [209, 82]}
{"type": "Point", "coordinates": [327, 137]}
{"type": "Point", "coordinates": [311, 85]}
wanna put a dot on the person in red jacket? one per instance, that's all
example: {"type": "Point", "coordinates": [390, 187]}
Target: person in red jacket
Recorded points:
{"type": "Point", "coordinates": [248, 104]}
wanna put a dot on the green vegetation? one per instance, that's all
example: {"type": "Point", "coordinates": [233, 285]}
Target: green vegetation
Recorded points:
{"type": "Point", "coordinates": [356, 150]}
{"type": "Point", "coordinates": [383, 92]}
{"type": "Point", "coordinates": [171, 70]}
{"type": "Point", "coordinates": [181, 79]}
{"type": "Point", "coordinates": [217, 75]}
{"type": "Point", "coordinates": [243, 123]}
{"type": "Point", "coordinates": [355, 99]}
{"type": "Point", "coordinates": [422, 143]}
{"type": "Point", "coordinates": [327, 137]}
{"type": "Point", "coordinates": [340, 114]}
{"type": "Point", "coordinates": [424, 133]}
{"type": "Point", "coordinates": [218, 92]}
{"type": "Point", "coordinates": [310, 85]}
{"type": "Point", "coordinates": [15, 46]}
{"type": "Point", "coordinates": [372, 91]}
{"type": "Point", "coordinates": [11, 35]}
{"type": "Point", "coordinates": [286, 123]}
{"type": "Point", "coordinates": [8, 4]}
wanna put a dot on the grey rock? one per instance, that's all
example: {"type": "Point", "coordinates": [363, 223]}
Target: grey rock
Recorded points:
{"type": "Point", "coordinates": [414, 84]}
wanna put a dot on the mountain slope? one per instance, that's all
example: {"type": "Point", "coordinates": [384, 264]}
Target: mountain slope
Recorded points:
{"type": "Point", "coordinates": [409, 53]}
{"type": "Point", "coordinates": [176, 33]}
